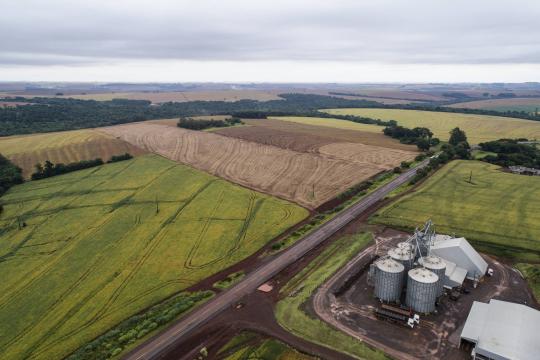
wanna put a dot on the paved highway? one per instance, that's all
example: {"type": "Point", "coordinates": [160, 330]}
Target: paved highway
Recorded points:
{"type": "Point", "coordinates": [166, 340]}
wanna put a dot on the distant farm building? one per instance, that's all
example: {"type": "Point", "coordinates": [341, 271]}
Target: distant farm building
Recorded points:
{"type": "Point", "coordinates": [502, 330]}
{"type": "Point", "coordinates": [522, 170]}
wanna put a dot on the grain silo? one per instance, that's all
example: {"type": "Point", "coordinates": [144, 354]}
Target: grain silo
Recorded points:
{"type": "Point", "coordinates": [403, 256]}
{"type": "Point", "coordinates": [422, 290]}
{"type": "Point", "coordinates": [388, 279]}
{"type": "Point", "coordinates": [406, 245]}
{"type": "Point", "coordinates": [436, 265]}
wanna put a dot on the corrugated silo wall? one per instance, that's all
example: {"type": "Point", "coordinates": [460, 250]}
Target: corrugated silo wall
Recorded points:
{"type": "Point", "coordinates": [421, 296]}
{"type": "Point", "coordinates": [388, 285]}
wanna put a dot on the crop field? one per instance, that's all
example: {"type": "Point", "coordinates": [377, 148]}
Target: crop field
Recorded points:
{"type": "Point", "coordinates": [496, 210]}
{"type": "Point", "coordinates": [529, 105]}
{"type": "Point", "coordinates": [401, 94]}
{"type": "Point", "coordinates": [182, 96]}
{"type": "Point", "coordinates": [248, 346]}
{"type": "Point", "coordinates": [332, 123]}
{"type": "Point", "coordinates": [83, 251]}
{"type": "Point", "coordinates": [62, 147]}
{"type": "Point", "coordinates": [11, 103]}
{"type": "Point", "coordinates": [305, 178]}
{"type": "Point", "coordinates": [479, 128]}
{"type": "Point", "coordinates": [305, 137]}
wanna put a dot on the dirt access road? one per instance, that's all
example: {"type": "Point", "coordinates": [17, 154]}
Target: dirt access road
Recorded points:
{"type": "Point", "coordinates": [350, 309]}
{"type": "Point", "coordinates": [162, 343]}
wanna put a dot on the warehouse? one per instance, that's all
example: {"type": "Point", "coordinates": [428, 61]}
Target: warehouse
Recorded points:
{"type": "Point", "coordinates": [502, 330]}
{"type": "Point", "coordinates": [459, 252]}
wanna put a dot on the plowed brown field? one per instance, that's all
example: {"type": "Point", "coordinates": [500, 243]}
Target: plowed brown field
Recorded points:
{"type": "Point", "coordinates": [304, 137]}
{"type": "Point", "coordinates": [305, 178]}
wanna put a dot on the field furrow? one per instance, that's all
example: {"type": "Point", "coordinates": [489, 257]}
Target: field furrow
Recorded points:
{"type": "Point", "coordinates": [281, 172]}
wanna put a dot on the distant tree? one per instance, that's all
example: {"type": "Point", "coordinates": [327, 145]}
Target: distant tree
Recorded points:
{"type": "Point", "coordinates": [462, 150]}
{"type": "Point", "coordinates": [423, 144]}
{"type": "Point", "coordinates": [457, 136]}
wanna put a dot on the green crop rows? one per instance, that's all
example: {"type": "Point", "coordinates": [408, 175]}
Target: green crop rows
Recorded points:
{"type": "Point", "coordinates": [497, 211]}
{"type": "Point", "coordinates": [81, 252]}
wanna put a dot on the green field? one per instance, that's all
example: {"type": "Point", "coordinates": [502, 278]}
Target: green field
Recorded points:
{"type": "Point", "coordinates": [290, 312]}
{"type": "Point", "coordinates": [531, 272]}
{"type": "Point", "coordinates": [479, 128]}
{"type": "Point", "coordinates": [248, 346]}
{"type": "Point", "coordinates": [81, 252]}
{"type": "Point", "coordinates": [529, 105]}
{"type": "Point", "coordinates": [498, 211]}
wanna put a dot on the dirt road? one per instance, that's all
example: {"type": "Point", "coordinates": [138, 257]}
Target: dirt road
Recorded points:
{"type": "Point", "coordinates": [163, 342]}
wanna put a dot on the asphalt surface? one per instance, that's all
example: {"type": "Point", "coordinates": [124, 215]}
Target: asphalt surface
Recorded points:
{"type": "Point", "coordinates": [165, 341]}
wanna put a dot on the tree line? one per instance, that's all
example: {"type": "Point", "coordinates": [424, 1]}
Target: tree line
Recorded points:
{"type": "Point", "coordinates": [509, 152]}
{"type": "Point", "coordinates": [194, 124]}
{"type": "Point", "coordinates": [422, 137]}
{"type": "Point", "coordinates": [456, 148]}
{"type": "Point", "coordinates": [10, 174]}
{"type": "Point", "coordinates": [49, 169]}
{"type": "Point", "coordinates": [58, 114]}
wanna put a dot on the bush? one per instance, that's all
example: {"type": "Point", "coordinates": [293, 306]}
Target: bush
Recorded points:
{"type": "Point", "coordinates": [116, 158]}
{"type": "Point", "coordinates": [138, 326]}
{"type": "Point", "coordinates": [10, 174]}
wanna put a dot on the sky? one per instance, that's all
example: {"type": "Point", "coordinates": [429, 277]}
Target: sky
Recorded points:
{"type": "Point", "coordinates": [270, 41]}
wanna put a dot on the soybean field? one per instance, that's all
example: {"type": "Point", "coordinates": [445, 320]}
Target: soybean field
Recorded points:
{"type": "Point", "coordinates": [81, 252]}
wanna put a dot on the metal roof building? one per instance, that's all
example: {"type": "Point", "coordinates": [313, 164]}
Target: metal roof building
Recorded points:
{"type": "Point", "coordinates": [503, 330]}
{"type": "Point", "coordinates": [461, 253]}
{"type": "Point", "coordinates": [453, 275]}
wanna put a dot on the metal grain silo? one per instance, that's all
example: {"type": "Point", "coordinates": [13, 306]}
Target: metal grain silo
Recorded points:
{"type": "Point", "coordinates": [406, 245]}
{"type": "Point", "coordinates": [422, 290]}
{"type": "Point", "coordinates": [436, 265]}
{"type": "Point", "coordinates": [388, 279]}
{"type": "Point", "coordinates": [403, 256]}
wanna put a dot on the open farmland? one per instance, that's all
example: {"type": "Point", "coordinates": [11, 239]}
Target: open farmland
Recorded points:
{"type": "Point", "coordinates": [495, 210]}
{"type": "Point", "coordinates": [529, 105]}
{"type": "Point", "coordinates": [332, 123]}
{"type": "Point", "coordinates": [102, 244]}
{"type": "Point", "coordinates": [182, 96]}
{"type": "Point", "coordinates": [479, 128]}
{"type": "Point", "coordinates": [62, 147]}
{"type": "Point", "coordinates": [305, 178]}
{"type": "Point", "coordinates": [303, 134]}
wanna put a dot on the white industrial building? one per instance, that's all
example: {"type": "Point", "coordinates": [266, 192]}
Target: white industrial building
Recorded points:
{"type": "Point", "coordinates": [503, 330]}
{"type": "Point", "coordinates": [462, 260]}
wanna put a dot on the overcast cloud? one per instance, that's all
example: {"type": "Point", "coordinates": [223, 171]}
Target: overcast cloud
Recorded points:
{"type": "Point", "coordinates": [100, 39]}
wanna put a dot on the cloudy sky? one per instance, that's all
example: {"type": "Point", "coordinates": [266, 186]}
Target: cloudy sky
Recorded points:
{"type": "Point", "coordinates": [278, 40]}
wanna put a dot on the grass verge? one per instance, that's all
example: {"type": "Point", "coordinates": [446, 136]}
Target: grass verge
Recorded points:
{"type": "Point", "coordinates": [123, 336]}
{"type": "Point", "coordinates": [247, 345]}
{"type": "Point", "coordinates": [290, 311]}
{"type": "Point", "coordinates": [531, 272]}
{"type": "Point", "coordinates": [230, 280]}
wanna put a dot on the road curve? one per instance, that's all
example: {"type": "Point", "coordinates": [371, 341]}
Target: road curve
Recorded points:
{"type": "Point", "coordinates": [163, 342]}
